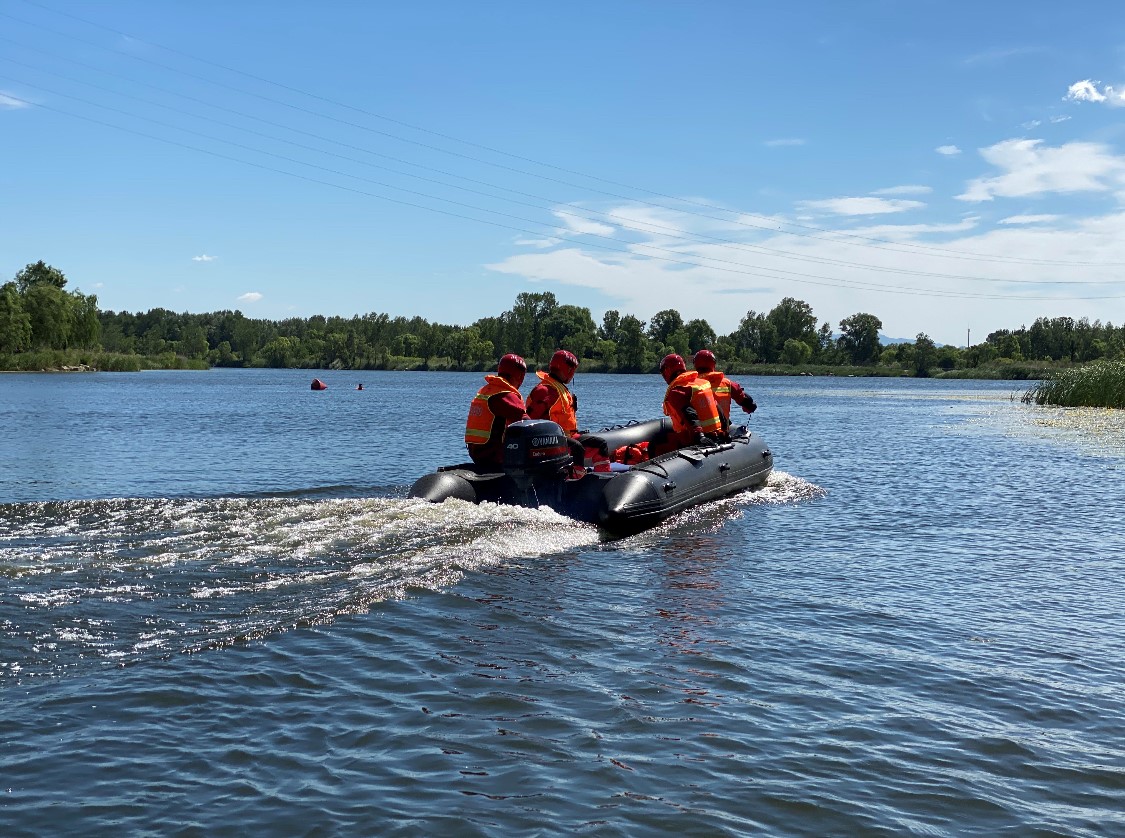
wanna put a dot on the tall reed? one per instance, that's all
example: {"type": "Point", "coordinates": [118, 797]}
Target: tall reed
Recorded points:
{"type": "Point", "coordinates": [1100, 384]}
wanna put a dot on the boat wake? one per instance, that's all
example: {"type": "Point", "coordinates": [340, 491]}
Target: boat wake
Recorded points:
{"type": "Point", "coordinates": [108, 582]}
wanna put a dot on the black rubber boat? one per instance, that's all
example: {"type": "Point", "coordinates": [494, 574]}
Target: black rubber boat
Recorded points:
{"type": "Point", "coordinates": [537, 472]}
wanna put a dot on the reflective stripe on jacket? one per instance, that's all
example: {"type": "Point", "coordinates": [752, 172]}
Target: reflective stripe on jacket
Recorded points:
{"type": "Point", "coordinates": [701, 399]}
{"type": "Point", "coordinates": [720, 388]}
{"type": "Point", "coordinates": [478, 427]}
{"type": "Point", "coordinates": [562, 411]}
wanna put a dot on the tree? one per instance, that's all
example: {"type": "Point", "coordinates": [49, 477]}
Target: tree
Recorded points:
{"type": "Point", "coordinates": [572, 328]}
{"type": "Point", "coordinates": [50, 313]}
{"type": "Point", "coordinates": [610, 321]}
{"type": "Point", "coordinates": [756, 338]}
{"type": "Point", "coordinates": [15, 325]}
{"type": "Point", "coordinates": [663, 324]}
{"type": "Point", "coordinates": [525, 322]}
{"type": "Point", "coordinates": [86, 328]}
{"type": "Point", "coordinates": [925, 355]}
{"type": "Point", "coordinates": [632, 345]}
{"type": "Point", "coordinates": [859, 338]}
{"type": "Point", "coordinates": [700, 335]}
{"type": "Point", "coordinates": [796, 352]}
{"type": "Point", "coordinates": [39, 273]}
{"type": "Point", "coordinates": [793, 320]}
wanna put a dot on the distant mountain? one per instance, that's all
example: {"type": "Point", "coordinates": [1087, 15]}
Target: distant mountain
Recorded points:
{"type": "Point", "coordinates": [886, 341]}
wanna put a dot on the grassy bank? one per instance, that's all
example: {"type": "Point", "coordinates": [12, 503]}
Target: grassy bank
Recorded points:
{"type": "Point", "coordinates": [92, 360]}
{"type": "Point", "coordinates": [1101, 384]}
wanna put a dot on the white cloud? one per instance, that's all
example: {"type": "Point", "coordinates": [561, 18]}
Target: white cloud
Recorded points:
{"type": "Point", "coordinates": [551, 242]}
{"type": "Point", "coordinates": [1030, 168]}
{"type": "Point", "coordinates": [837, 272]}
{"type": "Point", "coordinates": [861, 206]}
{"type": "Point", "coordinates": [203, 257]}
{"type": "Point", "coordinates": [250, 297]}
{"type": "Point", "coordinates": [1029, 219]}
{"type": "Point", "coordinates": [1030, 124]}
{"type": "Point", "coordinates": [11, 102]}
{"type": "Point", "coordinates": [947, 150]}
{"type": "Point", "coordinates": [1055, 120]}
{"type": "Point", "coordinates": [783, 142]}
{"type": "Point", "coordinates": [906, 189]}
{"type": "Point", "coordinates": [1088, 91]}
{"type": "Point", "coordinates": [574, 223]}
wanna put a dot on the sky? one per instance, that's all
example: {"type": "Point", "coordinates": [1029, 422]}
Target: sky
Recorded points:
{"type": "Point", "coordinates": [951, 167]}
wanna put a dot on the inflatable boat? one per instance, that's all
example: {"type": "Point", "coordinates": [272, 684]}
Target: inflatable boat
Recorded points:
{"type": "Point", "coordinates": [538, 471]}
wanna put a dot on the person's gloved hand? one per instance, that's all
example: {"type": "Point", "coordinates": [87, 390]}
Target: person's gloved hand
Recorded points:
{"type": "Point", "coordinates": [750, 406]}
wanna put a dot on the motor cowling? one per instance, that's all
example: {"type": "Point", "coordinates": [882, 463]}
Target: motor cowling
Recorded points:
{"type": "Point", "coordinates": [535, 448]}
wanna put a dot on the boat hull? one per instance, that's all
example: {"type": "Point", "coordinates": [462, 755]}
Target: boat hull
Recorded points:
{"type": "Point", "coordinates": [619, 502]}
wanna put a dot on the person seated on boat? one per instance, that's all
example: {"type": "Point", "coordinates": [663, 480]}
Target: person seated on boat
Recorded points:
{"type": "Point", "coordinates": [551, 398]}
{"type": "Point", "coordinates": [495, 406]}
{"type": "Point", "coordinates": [724, 390]}
{"type": "Point", "coordinates": [690, 404]}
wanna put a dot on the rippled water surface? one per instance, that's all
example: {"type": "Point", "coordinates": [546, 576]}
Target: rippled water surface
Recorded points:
{"type": "Point", "coordinates": [220, 614]}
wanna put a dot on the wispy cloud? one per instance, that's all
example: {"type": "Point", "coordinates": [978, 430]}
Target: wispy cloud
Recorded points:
{"type": "Point", "coordinates": [203, 257]}
{"type": "Point", "coordinates": [1029, 219]}
{"type": "Point", "coordinates": [576, 224]}
{"type": "Point", "coordinates": [1088, 90]}
{"type": "Point", "coordinates": [782, 142]}
{"type": "Point", "coordinates": [9, 102]}
{"type": "Point", "coordinates": [250, 297]}
{"type": "Point", "coordinates": [738, 268]}
{"type": "Point", "coordinates": [948, 150]}
{"type": "Point", "coordinates": [861, 206]}
{"type": "Point", "coordinates": [1028, 167]}
{"type": "Point", "coordinates": [1030, 124]}
{"type": "Point", "coordinates": [997, 55]}
{"type": "Point", "coordinates": [906, 189]}
{"type": "Point", "coordinates": [1055, 120]}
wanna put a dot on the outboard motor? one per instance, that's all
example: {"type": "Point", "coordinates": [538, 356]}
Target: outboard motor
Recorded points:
{"type": "Point", "coordinates": [536, 456]}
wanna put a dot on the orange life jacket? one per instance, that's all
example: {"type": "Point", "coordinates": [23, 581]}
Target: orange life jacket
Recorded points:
{"type": "Point", "coordinates": [562, 411]}
{"type": "Point", "coordinates": [720, 388]}
{"type": "Point", "coordinates": [478, 427]}
{"type": "Point", "coordinates": [701, 399]}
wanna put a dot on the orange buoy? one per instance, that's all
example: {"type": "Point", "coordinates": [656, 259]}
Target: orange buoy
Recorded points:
{"type": "Point", "coordinates": [317, 384]}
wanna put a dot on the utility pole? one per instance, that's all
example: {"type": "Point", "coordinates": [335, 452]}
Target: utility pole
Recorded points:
{"type": "Point", "coordinates": [968, 332]}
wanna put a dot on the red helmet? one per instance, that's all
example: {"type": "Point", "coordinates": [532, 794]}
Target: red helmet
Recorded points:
{"type": "Point", "coordinates": [563, 364]}
{"type": "Point", "coordinates": [513, 368]}
{"type": "Point", "coordinates": [704, 360]}
{"type": "Point", "coordinates": [671, 366]}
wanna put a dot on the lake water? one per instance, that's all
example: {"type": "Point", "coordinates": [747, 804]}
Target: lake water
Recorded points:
{"type": "Point", "coordinates": [220, 614]}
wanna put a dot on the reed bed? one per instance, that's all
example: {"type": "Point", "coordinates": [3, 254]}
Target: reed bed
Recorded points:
{"type": "Point", "coordinates": [1101, 384]}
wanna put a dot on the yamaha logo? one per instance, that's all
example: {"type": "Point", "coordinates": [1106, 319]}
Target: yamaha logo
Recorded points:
{"type": "Point", "coordinates": [541, 441]}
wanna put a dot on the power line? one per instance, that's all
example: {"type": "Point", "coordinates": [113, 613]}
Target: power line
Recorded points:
{"type": "Point", "coordinates": [644, 226]}
{"type": "Point", "coordinates": [802, 279]}
{"type": "Point", "coordinates": [770, 224]}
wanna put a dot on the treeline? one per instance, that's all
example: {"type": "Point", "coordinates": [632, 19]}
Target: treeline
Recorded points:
{"type": "Point", "coordinates": [37, 314]}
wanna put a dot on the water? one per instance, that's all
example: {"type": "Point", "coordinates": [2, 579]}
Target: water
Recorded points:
{"type": "Point", "coordinates": [220, 614]}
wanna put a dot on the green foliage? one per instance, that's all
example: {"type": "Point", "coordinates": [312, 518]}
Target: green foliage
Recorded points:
{"type": "Point", "coordinates": [859, 338]}
{"type": "Point", "coordinates": [43, 326]}
{"type": "Point", "coordinates": [1100, 384]}
{"type": "Point", "coordinates": [15, 324]}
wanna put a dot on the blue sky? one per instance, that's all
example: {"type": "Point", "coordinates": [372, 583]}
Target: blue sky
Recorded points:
{"type": "Point", "coordinates": [945, 166]}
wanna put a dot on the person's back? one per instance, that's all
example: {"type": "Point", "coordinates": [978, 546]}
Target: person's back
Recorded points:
{"type": "Point", "coordinates": [551, 398]}
{"type": "Point", "coordinates": [495, 406]}
{"type": "Point", "coordinates": [690, 404]}
{"type": "Point", "coordinates": [724, 390]}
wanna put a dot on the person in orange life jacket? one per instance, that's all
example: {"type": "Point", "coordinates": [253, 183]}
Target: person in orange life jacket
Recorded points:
{"type": "Point", "coordinates": [724, 389]}
{"type": "Point", "coordinates": [690, 404]}
{"type": "Point", "coordinates": [552, 399]}
{"type": "Point", "coordinates": [495, 406]}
